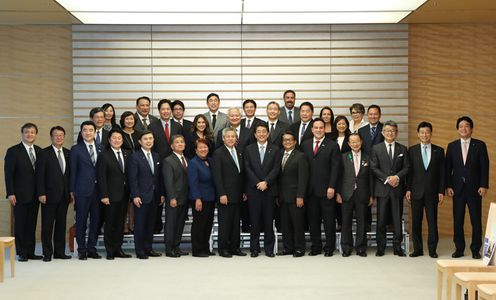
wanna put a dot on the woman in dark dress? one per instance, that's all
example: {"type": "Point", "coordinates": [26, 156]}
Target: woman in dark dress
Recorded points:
{"type": "Point", "coordinates": [109, 113]}
{"type": "Point", "coordinates": [327, 115]}
{"type": "Point", "coordinates": [199, 129]}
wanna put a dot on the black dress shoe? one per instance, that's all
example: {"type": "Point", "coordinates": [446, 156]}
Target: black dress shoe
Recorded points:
{"type": "Point", "coordinates": [141, 256]}
{"type": "Point", "coordinates": [433, 255]}
{"type": "Point", "coordinates": [416, 254]}
{"type": "Point", "coordinates": [298, 253]}
{"type": "Point", "coordinates": [47, 258]}
{"type": "Point", "coordinates": [328, 253]}
{"type": "Point", "coordinates": [457, 254]}
{"type": "Point", "coordinates": [35, 257]}
{"type": "Point", "coordinates": [181, 253]}
{"type": "Point", "coordinates": [172, 254]}
{"type": "Point", "coordinates": [314, 253]}
{"type": "Point", "coordinates": [400, 253]}
{"type": "Point", "coordinates": [270, 254]}
{"type": "Point", "coordinates": [476, 255]}
{"type": "Point", "coordinates": [346, 253]}
{"type": "Point", "coordinates": [238, 253]}
{"type": "Point", "coordinates": [110, 257]}
{"type": "Point", "coordinates": [379, 253]}
{"type": "Point", "coordinates": [62, 256]}
{"type": "Point", "coordinates": [225, 254]}
{"type": "Point", "coordinates": [153, 254]}
{"type": "Point", "coordinates": [284, 252]}
{"type": "Point", "coordinates": [22, 258]}
{"type": "Point", "coordinates": [200, 254]}
{"type": "Point", "coordinates": [94, 255]}
{"type": "Point", "coordinates": [254, 254]}
{"type": "Point", "coordinates": [82, 256]}
{"type": "Point", "coordinates": [122, 254]}
{"type": "Point", "coordinates": [362, 253]}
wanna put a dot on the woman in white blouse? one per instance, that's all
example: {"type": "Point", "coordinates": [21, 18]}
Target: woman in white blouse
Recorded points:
{"type": "Point", "coordinates": [357, 111]}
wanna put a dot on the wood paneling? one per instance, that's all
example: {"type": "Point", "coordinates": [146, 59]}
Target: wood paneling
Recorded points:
{"type": "Point", "coordinates": [452, 72]}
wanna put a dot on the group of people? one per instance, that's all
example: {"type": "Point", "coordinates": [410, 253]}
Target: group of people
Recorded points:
{"type": "Point", "coordinates": [293, 168]}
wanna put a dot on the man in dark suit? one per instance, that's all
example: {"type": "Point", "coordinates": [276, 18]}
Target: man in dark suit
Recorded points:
{"type": "Point", "coordinates": [217, 120]}
{"type": "Point", "coordinates": [244, 135]}
{"type": "Point", "coordinates": [163, 130]}
{"type": "Point", "coordinates": [20, 184]}
{"type": "Point", "coordinates": [52, 179]}
{"type": "Point", "coordinates": [324, 161]}
{"type": "Point", "coordinates": [250, 121]}
{"type": "Point", "coordinates": [293, 182]}
{"type": "Point", "coordinates": [355, 194]}
{"type": "Point", "coordinates": [228, 172]}
{"type": "Point", "coordinates": [389, 163]}
{"type": "Point", "coordinates": [425, 188]}
{"type": "Point", "coordinates": [302, 129]}
{"type": "Point", "coordinates": [175, 176]}
{"type": "Point", "coordinates": [97, 115]}
{"type": "Point", "coordinates": [276, 127]}
{"type": "Point", "coordinates": [83, 190]}
{"type": "Point", "coordinates": [262, 168]}
{"type": "Point", "coordinates": [289, 113]}
{"type": "Point", "coordinates": [114, 193]}
{"type": "Point", "coordinates": [143, 174]}
{"type": "Point", "coordinates": [371, 134]}
{"type": "Point", "coordinates": [142, 114]}
{"type": "Point", "coordinates": [178, 109]}
{"type": "Point", "coordinates": [467, 174]}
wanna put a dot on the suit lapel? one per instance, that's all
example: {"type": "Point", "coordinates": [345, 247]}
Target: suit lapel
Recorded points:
{"type": "Point", "coordinates": [322, 146]}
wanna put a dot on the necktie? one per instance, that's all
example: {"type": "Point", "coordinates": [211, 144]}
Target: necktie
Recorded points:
{"type": "Point", "coordinates": [31, 157]}
{"type": "Point", "coordinates": [119, 159]}
{"type": "Point", "coordinates": [248, 125]}
{"type": "Point", "coordinates": [262, 153]}
{"type": "Point", "coordinates": [92, 155]}
{"type": "Point", "coordinates": [61, 161]}
{"type": "Point", "coordinates": [425, 158]}
{"type": "Point", "coordinates": [183, 162]}
{"type": "Point", "coordinates": [464, 151]}
{"type": "Point", "coordinates": [235, 158]}
{"type": "Point", "coordinates": [390, 152]}
{"type": "Point", "coordinates": [145, 123]}
{"type": "Point", "coordinates": [150, 162]}
{"type": "Point", "coordinates": [98, 138]}
{"type": "Point", "coordinates": [372, 132]}
{"type": "Point", "coordinates": [284, 160]}
{"type": "Point", "coordinates": [214, 120]}
{"type": "Point", "coordinates": [290, 118]}
{"type": "Point", "coordinates": [316, 148]}
{"type": "Point", "coordinates": [271, 127]}
{"type": "Point", "coordinates": [355, 162]}
{"type": "Point", "coordinates": [167, 134]}
{"type": "Point", "coordinates": [302, 131]}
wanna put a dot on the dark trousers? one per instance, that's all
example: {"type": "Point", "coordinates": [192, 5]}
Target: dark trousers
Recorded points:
{"type": "Point", "coordinates": [25, 216]}
{"type": "Point", "coordinates": [228, 216]}
{"type": "Point", "coordinates": [293, 227]}
{"type": "Point", "coordinates": [322, 209]}
{"type": "Point", "coordinates": [159, 224]}
{"type": "Point", "coordinates": [339, 215]}
{"type": "Point", "coordinates": [87, 206]}
{"type": "Point", "coordinates": [202, 227]}
{"type": "Point", "coordinates": [245, 216]}
{"type": "Point", "coordinates": [360, 207]}
{"type": "Point", "coordinates": [396, 204]}
{"type": "Point", "coordinates": [474, 204]}
{"type": "Point", "coordinates": [174, 225]}
{"type": "Point", "coordinates": [53, 225]}
{"type": "Point", "coordinates": [430, 204]}
{"type": "Point", "coordinates": [144, 225]}
{"type": "Point", "coordinates": [115, 215]}
{"type": "Point", "coordinates": [261, 206]}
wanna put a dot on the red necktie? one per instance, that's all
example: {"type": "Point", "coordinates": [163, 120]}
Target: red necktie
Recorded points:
{"type": "Point", "coordinates": [167, 135]}
{"type": "Point", "coordinates": [316, 148]}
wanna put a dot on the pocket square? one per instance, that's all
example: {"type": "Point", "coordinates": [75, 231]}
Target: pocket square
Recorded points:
{"type": "Point", "coordinates": [401, 154]}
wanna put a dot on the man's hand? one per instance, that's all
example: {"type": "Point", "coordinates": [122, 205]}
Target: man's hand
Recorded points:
{"type": "Point", "coordinates": [482, 191]}
{"type": "Point", "coordinates": [162, 200]}
{"type": "Point", "coordinates": [137, 201]}
{"type": "Point", "coordinates": [198, 205]}
{"type": "Point", "coordinates": [12, 199]}
{"type": "Point", "coordinates": [339, 199]}
{"type": "Point", "coordinates": [330, 193]}
{"type": "Point", "coordinates": [371, 201]}
{"type": "Point", "coordinates": [105, 201]}
{"type": "Point", "coordinates": [42, 199]}
{"type": "Point", "coordinates": [440, 198]}
{"type": "Point", "coordinates": [173, 203]}
{"type": "Point", "coordinates": [262, 186]}
{"type": "Point", "coordinates": [223, 199]}
{"type": "Point", "coordinates": [299, 202]}
{"type": "Point", "coordinates": [450, 192]}
{"type": "Point", "coordinates": [408, 196]}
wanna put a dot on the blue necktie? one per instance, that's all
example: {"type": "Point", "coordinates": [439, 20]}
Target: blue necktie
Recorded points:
{"type": "Point", "coordinates": [372, 132]}
{"type": "Point", "coordinates": [425, 158]}
{"type": "Point", "coordinates": [262, 153]}
{"type": "Point", "coordinates": [98, 139]}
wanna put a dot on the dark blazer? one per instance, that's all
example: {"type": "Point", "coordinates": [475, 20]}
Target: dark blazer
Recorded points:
{"type": "Point", "coordinates": [228, 180]}
{"type": "Point", "coordinates": [175, 179]}
{"type": "Point", "coordinates": [160, 144]}
{"type": "Point", "coordinates": [111, 179]}
{"type": "Point", "coordinates": [50, 180]}
{"type": "Point", "coordinates": [295, 128]}
{"type": "Point", "coordinates": [420, 181]}
{"type": "Point", "coordinates": [246, 138]}
{"type": "Point", "coordinates": [19, 173]}
{"type": "Point", "coordinates": [142, 182]}
{"type": "Point", "coordinates": [201, 180]}
{"type": "Point", "coordinates": [187, 125]}
{"type": "Point", "coordinates": [345, 147]}
{"type": "Point", "coordinates": [382, 168]}
{"type": "Point", "coordinates": [128, 141]}
{"type": "Point", "coordinates": [364, 181]}
{"type": "Point", "coordinates": [293, 180]}
{"type": "Point", "coordinates": [103, 138]}
{"type": "Point", "coordinates": [268, 170]}
{"type": "Point", "coordinates": [255, 122]}
{"type": "Point", "coordinates": [139, 123]}
{"type": "Point", "coordinates": [368, 143]}
{"type": "Point", "coordinates": [275, 137]}
{"type": "Point", "coordinates": [284, 117]}
{"type": "Point", "coordinates": [324, 166]}
{"type": "Point", "coordinates": [83, 173]}
{"type": "Point", "coordinates": [191, 138]}
{"type": "Point", "coordinates": [476, 170]}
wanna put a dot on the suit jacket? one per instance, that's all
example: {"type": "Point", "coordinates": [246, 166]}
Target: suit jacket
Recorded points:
{"type": "Point", "coordinates": [367, 143]}
{"type": "Point", "coordinates": [160, 144]}
{"type": "Point", "coordinates": [228, 179]}
{"type": "Point", "coordinates": [50, 181]}
{"type": "Point", "coordinates": [345, 147]}
{"type": "Point", "coordinates": [284, 117]}
{"type": "Point", "coordinates": [103, 139]}
{"type": "Point", "coordinates": [474, 174]}
{"type": "Point", "coordinates": [201, 180]}
{"type": "Point", "coordinates": [382, 168]}
{"type": "Point", "coordinates": [111, 179]}
{"type": "Point", "coordinates": [83, 173]}
{"type": "Point", "coordinates": [295, 128]}
{"type": "Point", "coordinates": [220, 123]}
{"type": "Point", "coordinates": [187, 125]}
{"type": "Point", "coordinates": [420, 181]}
{"type": "Point", "coordinates": [19, 173]}
{"type": "Point", "coordinates": [246, 138]}
{"type": "Point", "coordinates": [324, 166]}
{"type": "Point", "coordinates": [139, 122]}
{"type": "Point", "coordinates": [253, 124]}
{"type": "Point", "coordinates": [130, 142]}
{"type": "Point", "coordinates": [349, 180]}
{"type": "Point", "coordinates": [142, 182]}
{"type": "Point", "coordinates": [175, 179]}
{"type": "Point", "coordinates": [268, 170]}
{"type": "Point", "coordinates": [275, 137]}
{"type": "Point", "coordinates": [293, 180]}
{"type": "Point", "coordinates": [191, 138]}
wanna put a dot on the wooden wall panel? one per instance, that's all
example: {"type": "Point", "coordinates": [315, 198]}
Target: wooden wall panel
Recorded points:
{"type": "Point", "coordinates": [452, 72]}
